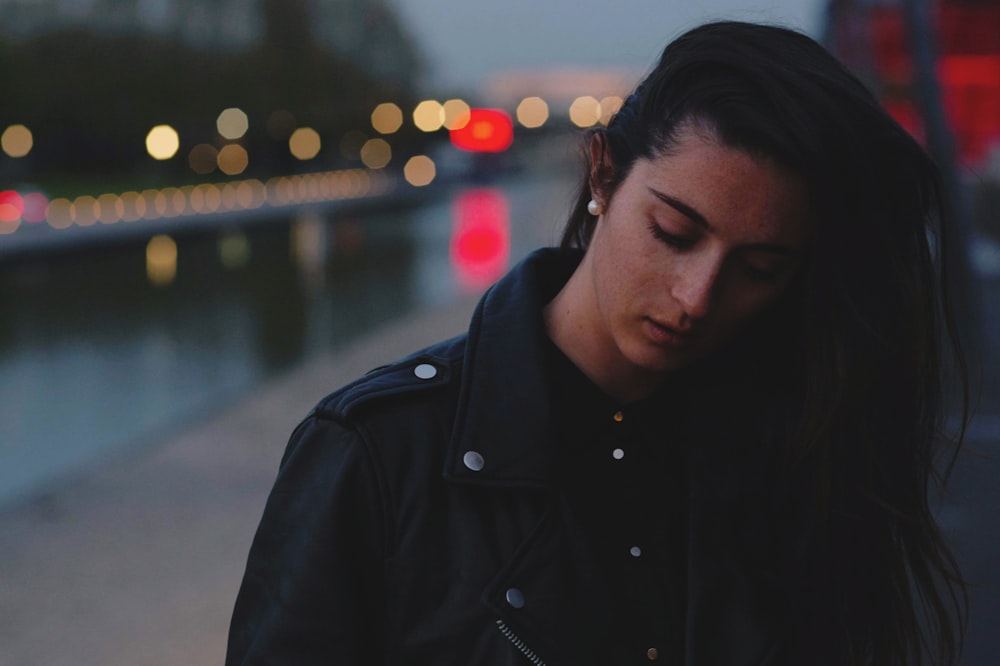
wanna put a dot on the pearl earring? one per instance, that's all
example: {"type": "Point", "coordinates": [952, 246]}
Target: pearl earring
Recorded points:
{"type": "Point", "coordinates": [594, 208]}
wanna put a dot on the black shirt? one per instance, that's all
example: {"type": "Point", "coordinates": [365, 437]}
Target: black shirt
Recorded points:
{"type": "Point", "coordinates": [621, 468]}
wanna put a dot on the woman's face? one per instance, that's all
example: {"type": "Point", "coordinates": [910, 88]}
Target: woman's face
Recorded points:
{"type": "Point", "coordinates": [692, 245]}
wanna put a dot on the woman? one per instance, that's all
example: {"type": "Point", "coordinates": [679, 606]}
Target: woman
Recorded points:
{"type": "Point", "coordinates": [700, 432]}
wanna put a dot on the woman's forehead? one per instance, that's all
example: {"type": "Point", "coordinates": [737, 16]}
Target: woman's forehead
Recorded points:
{"type": "Point", "coordinates": [725, 189]}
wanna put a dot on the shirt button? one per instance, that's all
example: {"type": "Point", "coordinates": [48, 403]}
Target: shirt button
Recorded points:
{"type": "Point", "coordinates": [474, 461]}
{"type": "Point", "coordinates": [635, 551]}
{"type": "Point", "coordinates": [425, 371]}
{"type": "Point", "coordinates": [652, 654]}
{"type": "Point", "coordinates": [618, 417]}
{"type": "Point", "coordinates": [618, 454]}
{"type": "Point", "coordinates": [515, 598]}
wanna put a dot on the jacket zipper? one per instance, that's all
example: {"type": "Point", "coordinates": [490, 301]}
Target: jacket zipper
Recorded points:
{"type": "Point", "coordinates": [519, 644]}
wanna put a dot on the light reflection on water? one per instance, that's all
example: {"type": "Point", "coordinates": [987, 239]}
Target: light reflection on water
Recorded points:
{"type": "Point", "coordinates": [95, 358]}
{"type": "Point", "coordinates": [480, 240]}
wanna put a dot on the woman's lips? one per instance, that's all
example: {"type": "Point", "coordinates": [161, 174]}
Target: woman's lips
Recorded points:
{"type": "Point", "coordinates": [667, 336]}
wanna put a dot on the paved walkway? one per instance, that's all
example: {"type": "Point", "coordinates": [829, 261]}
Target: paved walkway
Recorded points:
{"type": "Point", "coordinates": [138, 562]}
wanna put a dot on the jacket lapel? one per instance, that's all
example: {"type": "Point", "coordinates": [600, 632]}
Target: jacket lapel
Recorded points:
{"type": "Point", "coordinates": [504, 414]}
{"type": "Point", "coordinates": [549, 593]}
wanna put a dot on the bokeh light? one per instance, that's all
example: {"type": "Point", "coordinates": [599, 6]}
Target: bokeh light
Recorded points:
{"type": "Point", "coordinates": [232, 124]}
{"type": "Point", "coordinates": [60, 214]}
{"type": "Point", "coordinates": [155, 204]}
{"type": "Point", "coordinates": [488, 130]}
{"type": "Point", "coordinates": [208, 198]}
{"type": "Point", "coordinates": [162, 142]}
{"type": "Point", "coordinates": [233, 159]}
{"type": "Point", "coordinates": [109, 208]}
{"type": "Point", "coordinates": [161, 260]}
{"type": "Point", "coordinates": [84, 211]}
{"type": "Point", "coordinates": [609, 107]}
{"type": "Point", "coordinates": [234, 249]}
{"type": "Point", "coordinates": [36, 207]}
{"type": "Point", "coordinates": [174, 201]}
{"type": "Point", "coordinates": [202, 199]}
{"type": "Point", "coordinates": [203, 158]}
{"type": "Point", "coordinates": [181, 201]}
{"type": "Point", "coordinates": [304, 143]}
{"type": "Point", "coordinates": [376, 153]}
{"type": "Point", "coordinates": [456, 114]}
{"type": "Point", "coordinates": [228, 197]}
{"type": "Point", "coordinates": [212, 197]}
{"type": "Point", "coordinates": [9, 227]}
{"type": "Point", "coordinates": [250, 194]}
{"type": "Point", "coordinates": [11, 206]}
{"type": "Point", "coordinates": [309, 245]}
{"type": "Point", "coordinates": [532, 112]}
{"type": "Point", "coordinates": [429, 116]}
{"type": "Point", "coordinates": [17, 141]}
{"type": "Point", "coordinates": [387, 118]}
{"type": "Point", "coordinates": [585, 111]}
{"type": "Point", "coordinates": [419, 171]}
{"type": "Point", "coordinates": [133, 207]}
{"type": "Point", "coordinates": [480, 241]}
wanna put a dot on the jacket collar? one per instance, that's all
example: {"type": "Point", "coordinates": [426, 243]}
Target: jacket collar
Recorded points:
{"type": "Point", "coordinates": [504, 412]}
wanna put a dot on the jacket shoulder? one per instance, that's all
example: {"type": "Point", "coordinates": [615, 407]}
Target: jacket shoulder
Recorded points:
{"type": "Point", "coordinates": [422, 371]}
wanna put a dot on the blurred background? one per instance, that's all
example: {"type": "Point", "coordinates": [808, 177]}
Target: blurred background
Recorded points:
{"type": "Point", "coordinates": [212, 212]}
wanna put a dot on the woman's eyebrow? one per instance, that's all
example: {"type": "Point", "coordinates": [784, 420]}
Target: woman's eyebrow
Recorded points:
{"type": "Point", "coordinates": [682, 208]}
{"type": "Point", "coordinates": [699, 219]}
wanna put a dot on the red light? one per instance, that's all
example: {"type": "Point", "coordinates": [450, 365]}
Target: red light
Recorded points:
{"type": "Point", "coordinates": [480, 244]}
{"type": "Point", "coordinates": [11, 206]}
{"type": "Point", "coordinates": [488, 131]}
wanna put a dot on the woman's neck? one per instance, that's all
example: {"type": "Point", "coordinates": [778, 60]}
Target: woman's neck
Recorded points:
{"type": "Point", "coordinates": [570, 328]}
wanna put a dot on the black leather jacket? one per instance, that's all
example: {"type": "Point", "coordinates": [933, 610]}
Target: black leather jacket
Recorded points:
{"type": "Point", "coordinates": [413, 521]}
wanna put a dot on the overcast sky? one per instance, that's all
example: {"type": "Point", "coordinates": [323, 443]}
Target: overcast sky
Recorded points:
{"type": "Point", "coordinates": [467, 41]}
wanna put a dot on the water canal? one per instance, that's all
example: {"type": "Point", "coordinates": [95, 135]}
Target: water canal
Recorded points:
{"type": "Point", "coordinates": [110, 348]}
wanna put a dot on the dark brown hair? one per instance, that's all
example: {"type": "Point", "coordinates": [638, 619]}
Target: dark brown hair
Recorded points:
{"type": "Point", "coordinates": [855, 402]}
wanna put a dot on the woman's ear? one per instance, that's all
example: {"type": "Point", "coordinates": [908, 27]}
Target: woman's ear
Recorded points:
{"type": "Point", "coordinates": [602, 170]}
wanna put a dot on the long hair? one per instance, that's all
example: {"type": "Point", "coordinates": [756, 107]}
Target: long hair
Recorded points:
{"type": "Point", "coordinates": [866, 327]}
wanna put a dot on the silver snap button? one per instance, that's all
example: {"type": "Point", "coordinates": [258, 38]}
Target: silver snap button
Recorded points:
{"type": "Point", "coordinates": [425, 371]}
{"type": "Point", "coordinates": [635, 551]}
{"type": "Point", "coordinates": [515, 598]}
{"type": "Point", "coordinates": [474, 461]}
{"type": "Point", "coordinates": [618, 454]}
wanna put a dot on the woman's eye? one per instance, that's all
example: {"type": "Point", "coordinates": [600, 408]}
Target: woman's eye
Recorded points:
{"type": "Point", "coordinates": [761, 275]}
{"type": "Point", "coordinates": [670, 239]}
{"type": "Point", "coordinates": [764, 271]}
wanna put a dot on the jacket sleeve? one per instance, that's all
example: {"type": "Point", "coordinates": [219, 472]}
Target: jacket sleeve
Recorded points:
{"type": "Point", "coordinates": [313, 588]}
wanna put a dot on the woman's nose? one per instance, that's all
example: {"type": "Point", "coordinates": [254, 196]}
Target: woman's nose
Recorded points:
{"type": "Point", "coordinates": [695, 286]}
